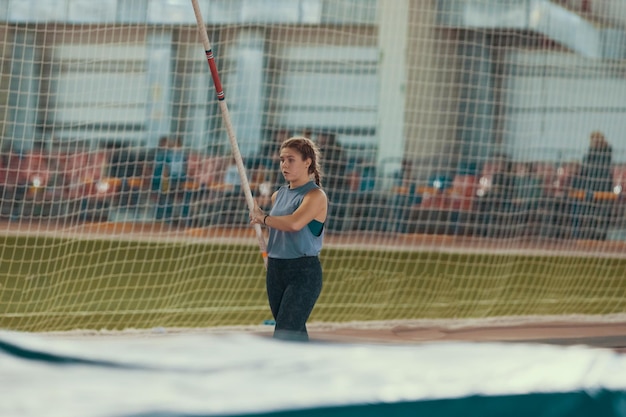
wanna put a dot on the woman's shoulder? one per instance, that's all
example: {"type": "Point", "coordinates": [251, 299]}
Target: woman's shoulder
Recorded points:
{"type": "Point", "coordinates": [316, 193]}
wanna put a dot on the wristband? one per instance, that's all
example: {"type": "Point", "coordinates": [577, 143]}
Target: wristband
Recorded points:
{"type": "Point", "coordinates": [265, 218]}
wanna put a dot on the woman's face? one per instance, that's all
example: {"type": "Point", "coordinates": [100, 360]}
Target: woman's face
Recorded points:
{"type": "Point", "coordinates": [292, 166]}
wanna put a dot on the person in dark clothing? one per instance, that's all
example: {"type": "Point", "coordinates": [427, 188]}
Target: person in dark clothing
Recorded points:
{"type": "Point", "coordinates": [335, 178]}
{"type": "Point", "coordinates": [591, 211]}
{"type": "Point", "coordinates": [595, 172]}
{"type": "Point", "coordinates": [158, 159]}
{"type": "Point", "coordinates": [159, 182]}
{"type": "Point", "coordinates": [494, 208]}
{"type": "Point", "coordinates": [169, 177]}
{"type": "Point", "coordinates": [335, 161]}
{"type": "Point", "coordinates": [263, 177]}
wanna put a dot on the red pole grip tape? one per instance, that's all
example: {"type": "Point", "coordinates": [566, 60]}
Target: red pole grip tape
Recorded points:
{"type": "Point", "coordinates": [215, 75]}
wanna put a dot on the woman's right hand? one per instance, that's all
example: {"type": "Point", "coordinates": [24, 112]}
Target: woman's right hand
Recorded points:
{"type": "Point", "coordinates": [257, 215]}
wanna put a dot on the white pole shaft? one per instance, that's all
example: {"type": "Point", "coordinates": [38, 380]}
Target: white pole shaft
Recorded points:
{"type": "Point", "coordinates": [245, 185]}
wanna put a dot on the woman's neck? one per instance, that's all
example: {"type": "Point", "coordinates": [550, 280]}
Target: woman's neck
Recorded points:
{"type": "Point", "coordinates": [298, 183]}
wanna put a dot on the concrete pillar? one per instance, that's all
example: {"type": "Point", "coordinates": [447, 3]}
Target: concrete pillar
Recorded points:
{"type": "Point", "coordinates": [23, 93]}
{"type": "Point", "coordinates": [476, 105]}
{"type": "Point", "coordinates": [392, 43]}
{"type": "Point", "coordinates": [158, 108]}
{"type": "Point", "coordinates": [245, 93]}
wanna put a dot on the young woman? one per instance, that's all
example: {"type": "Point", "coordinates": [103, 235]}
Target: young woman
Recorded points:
{"type": "Point", "coordinates": [296, 231]}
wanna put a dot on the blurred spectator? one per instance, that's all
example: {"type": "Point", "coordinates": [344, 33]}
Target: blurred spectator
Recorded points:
{"type": "Point", "coordinates": [160, 172]}
{"type": "Point", "coordinates": [264, 174]}
{"type": "Point", "coordinates": [494, 207]}
{"type": "Point", "coordinates": [334, 178]}
{"type": "Point", "coordinates": [13, 184]}
{"type": "Point", "coordinates": [176, 158]}
{"type": "Point", "coordinates": [158, 160]}
{"type": "Point", "coordinates": [592, 183]}
{"type": "Point", "coordinates": [526, 197]}
{"type": "Point", "coordinates": [125, 162]}
{"type": "Point", "coordinates": [335, 161]}
{"type": "Point", "coordinates": [270, 149]}
{"type": "Point", "coordinates": [405, 196]}
{"type": "Point", "coordinates": [171, 161]}
{"type": "Point", "coordinates": [231, 176]}
{"type": "Point", "coordinates": [232, 205]}
{"type": "Point", "coordinates": [595, 171]}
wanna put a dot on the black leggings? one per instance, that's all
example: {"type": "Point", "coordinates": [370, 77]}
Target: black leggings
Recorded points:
{"type": "Point", "coordinates": [293, 286]}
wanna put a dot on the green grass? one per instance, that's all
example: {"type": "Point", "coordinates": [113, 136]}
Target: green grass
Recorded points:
{"type": "Point", "coordinates": [56, 284]}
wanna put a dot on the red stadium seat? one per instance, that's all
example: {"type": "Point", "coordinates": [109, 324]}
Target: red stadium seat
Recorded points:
{"type": "Point", "coordinates": [87, 186]}
{"type": "Point", "coordinates": [619, 179]}
{"type": "Point", "coordinates": [88, 170]}
{"type": "Point", "coordinates": [36, 169]}
{"type": "Point", "coordinates": [463, 191]}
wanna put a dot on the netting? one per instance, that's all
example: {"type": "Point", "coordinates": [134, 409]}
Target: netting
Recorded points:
{"type": "Point", "coordinates": [474, 158]}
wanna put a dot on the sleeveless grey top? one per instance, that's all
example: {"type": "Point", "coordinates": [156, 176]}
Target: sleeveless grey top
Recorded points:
{"type": "Point", "coordinates": [290, 245]}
